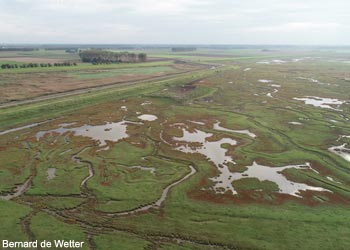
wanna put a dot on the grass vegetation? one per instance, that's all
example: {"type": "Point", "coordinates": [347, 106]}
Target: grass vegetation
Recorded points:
{"type": "Point", "coordinates": [192, 215]}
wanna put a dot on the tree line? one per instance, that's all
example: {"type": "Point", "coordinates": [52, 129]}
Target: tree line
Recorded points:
{"type": "Point", "coordinates": [101, 56]}
{"type": "Point", "coordinates": [183, 49]}
{"type": "Point", "coordinates": [35, 65]}
{"type": "Point", "coordinates": [17, 49]}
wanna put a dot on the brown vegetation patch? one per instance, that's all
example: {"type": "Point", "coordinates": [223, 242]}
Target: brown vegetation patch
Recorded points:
{"type": "Point", "coordinates": [20, 86]}
{"type": "Point", "coordinates": [105, 184]}
{"type": "Point", "coordinates": [274, 198]}
{"type": "Point", "coordinates": [201, 192]}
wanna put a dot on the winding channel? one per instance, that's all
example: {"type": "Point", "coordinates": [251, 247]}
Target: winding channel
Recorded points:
{"type": "Point", "coordinates": [21, 189]}
{"type": "Point", "coordinates": [160, 201]}
{"type": "Point", "coordinates": [76, 159]}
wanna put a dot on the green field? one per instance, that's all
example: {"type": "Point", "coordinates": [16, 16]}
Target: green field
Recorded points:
{"type": "Point", "coordinates": [170, 180]}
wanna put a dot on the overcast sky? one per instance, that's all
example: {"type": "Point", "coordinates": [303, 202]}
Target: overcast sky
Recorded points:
{"type": "Point", "coordinates": [313, 22]}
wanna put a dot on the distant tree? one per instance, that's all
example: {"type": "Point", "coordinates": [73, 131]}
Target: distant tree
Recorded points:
{"type": "Point", "coordinates": [183, 49]}
{"type": "Point", "coordinates": [71, 50]}
{"type": "Point", "coordinates": [142, 57]}
{"type": "Point", "coordinates": [95, 56]}
{"type": "Point", "coordinates": [132, 57]}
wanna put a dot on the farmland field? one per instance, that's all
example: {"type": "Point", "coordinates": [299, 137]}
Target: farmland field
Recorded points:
{"type": "Point", "coordinates": [211, 149]}
{"type": "Point", "coordinates": [25, 83]}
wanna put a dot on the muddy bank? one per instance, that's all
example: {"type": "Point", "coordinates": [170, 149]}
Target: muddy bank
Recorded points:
{"type": "Point", "coordinates": [21, 189]}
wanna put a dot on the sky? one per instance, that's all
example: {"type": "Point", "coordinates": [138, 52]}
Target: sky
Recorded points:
{"type": "Point", "coordinates": [292, 22]}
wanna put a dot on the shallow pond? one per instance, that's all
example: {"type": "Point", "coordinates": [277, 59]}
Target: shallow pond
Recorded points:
{"type": "Point", "coordinates": [274, 174]}
{"type": "Point", "coordinates": [51, 173]}
{"type": "Point", "coordinates": [321, 102]}
{"type": "Point", "coordinates": [211, 149]}
{"type": "Point", "coordinates": [342, 151]}
{"type": "Point", "coordinates": [274, 61]}
{"type": "Point", "coordinates": [147, 117]}
{"type": "Point", "coordinates": [146, 103]}
{"type": "Point", "coordinates": [112, 131]}
{"type": "Point", "coordinates": [295, 123]}
{"type": "Point", "coordinates": [197, 142]}
{"type": "Point", "coordinates": [264, 81]}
